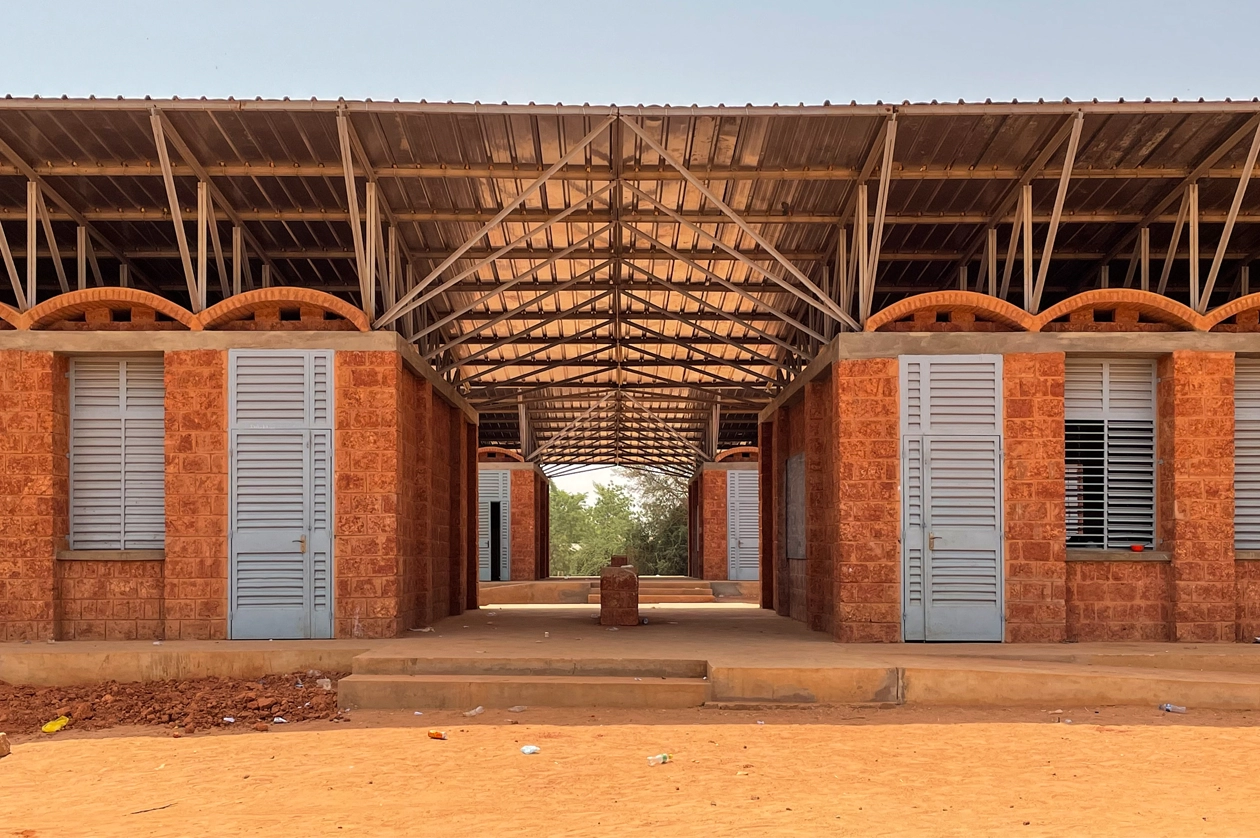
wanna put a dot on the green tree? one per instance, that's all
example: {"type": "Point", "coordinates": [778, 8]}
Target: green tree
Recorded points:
{"type": "Point", "coordinates": [569, 526]}
{"type": "Point", "coordinates": [657, 542]}
{"type": "Point", "coordinates": [585, 535]}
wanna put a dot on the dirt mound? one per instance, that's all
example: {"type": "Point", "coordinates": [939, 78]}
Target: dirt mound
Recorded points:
{"type": "Point", "coordinates": [187, 706]}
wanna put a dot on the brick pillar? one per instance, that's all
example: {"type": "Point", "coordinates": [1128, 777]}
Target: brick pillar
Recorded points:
{"type": "Point", "coordinates": [1195, 439]}
{"type": "Point", "coordinates": [1036, 571]}
{"type": "Point", "coordinates": [195, 585]}
{"type": "Point", "coordinates": [867, 446]}
{"type": "Point", "coordinates": [367, 450]}
{"type": "Point", "coordinates": [820, 509]}
{"type": "Point", "coordinates": [441, 493]}
{"type": "Point", "coordinates": [782, 573]}
{"type": "Point", "coordinates": [409, 520]}
{"type": "Point", "coordinates": [471, 574]}
{"type": "Point", "coordinates": [769, 523]}
{"type": "Point", "coordinates": [524, 526]}
{"type": "Point", "coordinates": [34, 490]}
{"type": "Point", "coordinates": [713, 557]}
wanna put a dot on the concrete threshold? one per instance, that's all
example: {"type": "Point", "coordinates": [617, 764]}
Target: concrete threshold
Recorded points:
{"type": "Point", "coordinates": [462, 692]}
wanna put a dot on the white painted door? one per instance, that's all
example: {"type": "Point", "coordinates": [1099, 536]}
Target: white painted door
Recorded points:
{"type": "Point", "coordinates": [952, 498]}
{"type": "Point", "coordinates": [494, 492]}
{"type": "Point", "coordinates": [742, 525]}
{"type": "Point", "coordinates": [280, 407]}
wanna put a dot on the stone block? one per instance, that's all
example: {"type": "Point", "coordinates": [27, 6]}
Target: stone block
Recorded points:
{"type": "Point", "coordinates": [618, 596]}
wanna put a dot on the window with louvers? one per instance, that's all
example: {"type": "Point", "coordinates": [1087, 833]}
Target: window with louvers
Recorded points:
{"type": "Point", "coordinates": [117, 454]}
{"type": "Point", "coordinates": [1247, 453]}
{"type": "Point", "coordinates": [1109, 407]}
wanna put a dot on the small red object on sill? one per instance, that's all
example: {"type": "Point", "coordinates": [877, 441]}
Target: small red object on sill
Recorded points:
{"type": "Point", "coordinates": [1136, 548]}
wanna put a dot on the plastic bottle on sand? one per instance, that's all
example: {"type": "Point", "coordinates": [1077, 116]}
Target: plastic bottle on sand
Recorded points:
{"type": "Point", "coordinates": [1172, 708]}
{"type": "Point", "coordinates": [660, 758]}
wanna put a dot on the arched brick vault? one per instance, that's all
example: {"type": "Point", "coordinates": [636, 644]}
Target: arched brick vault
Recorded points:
{"type": "Point", "coordinates": [11, 318]}
{"type": "Point", "coordinates": [261, 308]}
{"type": "Point", "coordinates": [504, 453]}
{"type": "Point", "coordinates": [1129, 310]}
{"type": "Point", "coordinates": [747, 453]}
{"type": "Point", "coordinates": [99, 306]}
{"type": "Point", "coordinates": [966, 311]}
{"type": "Point", "coordinates": [1244, 312]}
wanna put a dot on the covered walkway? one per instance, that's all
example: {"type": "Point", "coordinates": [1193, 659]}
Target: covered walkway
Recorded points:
{"type": "Point", "coordinates": [206, 296]}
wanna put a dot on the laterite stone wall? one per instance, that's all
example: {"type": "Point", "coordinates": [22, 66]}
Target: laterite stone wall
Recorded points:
{"type": "Point", "coordinates": [34, 490]}
{"type": "Point", "coordinates": [1034, 497]}
{"type": "Point", "coordinates": [866, 445]}
{"type": "Point", "coordinates": [195, 576]}
{"type": "Point", "coordinates": [820, 518]}
{"type": "Point", "coordinates": [713, 524]}
{"type": "Point", "coordinates": [110, 600]}
{"type": "Point", "coordinates": [1118, 600]}
{"type": "Point", "coordinates": [1195, 440]}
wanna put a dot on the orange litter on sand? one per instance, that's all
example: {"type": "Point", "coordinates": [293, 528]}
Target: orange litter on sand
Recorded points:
{"type": "Point", "coordinates": [437, 734]}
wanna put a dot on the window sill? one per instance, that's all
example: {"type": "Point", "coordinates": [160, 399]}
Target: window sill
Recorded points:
{"type": "Point", "coordinates": [1097, 555]}
{"type": "Point", "coordinates": [1247, 555]}
{"type": "Point", "coordinates": [111, 555]}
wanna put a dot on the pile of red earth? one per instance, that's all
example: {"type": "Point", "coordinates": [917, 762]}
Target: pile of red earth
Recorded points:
{"type": "Point", "coordinates": [183, 706]}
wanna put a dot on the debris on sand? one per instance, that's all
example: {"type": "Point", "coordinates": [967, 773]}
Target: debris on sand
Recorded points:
{"type": "Point", "coordinates": [199, 704]}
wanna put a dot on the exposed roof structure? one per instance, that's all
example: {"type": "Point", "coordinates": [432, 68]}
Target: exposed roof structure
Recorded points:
{"type": "Point", "coordinates": [611, 284]}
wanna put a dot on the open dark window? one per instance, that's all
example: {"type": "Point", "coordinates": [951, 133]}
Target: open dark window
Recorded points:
{"type": "Point", "coordinates": [1110, 452]}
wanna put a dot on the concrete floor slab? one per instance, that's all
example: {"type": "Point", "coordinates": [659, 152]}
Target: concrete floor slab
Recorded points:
{"type": "Point", "coordinates": [747, 653]}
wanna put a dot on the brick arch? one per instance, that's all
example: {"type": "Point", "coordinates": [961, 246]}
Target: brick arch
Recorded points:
{"type": "Point", "coordinates": [1245, 312]}
{"type": "Point", "coordinates": [736, 454]}
{"type": "Point", "coordinates": [11, 318]}
{"type": "Point", "coordinates": [261, 310]}
{"type": "Point", "coordinates": [968, 311]}
{"type": "Point", "coordinates": [1132, 311]}
{"type": "Point", "coordinates": [506, 453]}
{"type": "Point", "coordinates": [98, 307]}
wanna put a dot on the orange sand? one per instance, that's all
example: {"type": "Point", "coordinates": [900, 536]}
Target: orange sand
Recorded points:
{"type": "Point", "coordinates": [856, 771]}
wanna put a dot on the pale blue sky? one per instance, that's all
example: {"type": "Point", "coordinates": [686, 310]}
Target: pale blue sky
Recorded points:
{"type": "Point", "coordinates": [652, 52]}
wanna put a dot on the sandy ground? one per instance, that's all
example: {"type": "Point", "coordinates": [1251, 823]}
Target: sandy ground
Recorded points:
{"type": "Point", "coordinates": [841, 771]}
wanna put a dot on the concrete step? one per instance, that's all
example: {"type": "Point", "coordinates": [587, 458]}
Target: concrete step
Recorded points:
{"type": "Point", "coordinates": [394, 663]}
{"type": "Point", "coordinates": [463, 692]}
{"type": "Point", "coordinates": [650, 599]}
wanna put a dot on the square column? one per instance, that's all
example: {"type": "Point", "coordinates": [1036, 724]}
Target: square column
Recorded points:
{"type": "Point", "coordinates": [1033, 474]}
{"type": "Point", "coordinates": [34, 490]}
{"type": "Point", "coordinates": [1195, 443]}
{"type": "Point", "coordinates": [867, 502]}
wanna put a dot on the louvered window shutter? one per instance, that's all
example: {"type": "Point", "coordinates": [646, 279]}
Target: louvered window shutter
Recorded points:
{"type": "Point", "coordinates": [117, 454]}
{"type": "Point", "coordinates": [1109, 409]}
{"type": "Point", "coordinates": [1247, 453]}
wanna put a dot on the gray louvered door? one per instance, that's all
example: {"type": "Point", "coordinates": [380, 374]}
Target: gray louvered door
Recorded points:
{"type": "Point", "coordinates": [494, 487]}
{"type": "Point", "coordinates": [1247, 453]}
{"type": "Point", "coordinates": [280, 404]}
{"type": "Point", "coordinates": [742, 525]}
{"type": "Point", "coordinates": [952, 497]}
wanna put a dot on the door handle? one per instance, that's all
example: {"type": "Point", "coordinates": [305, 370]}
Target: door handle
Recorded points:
{"type": "Point", "coordinates": [931, 541]}
{"type": "Point", "coordinates": [301, 541]}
